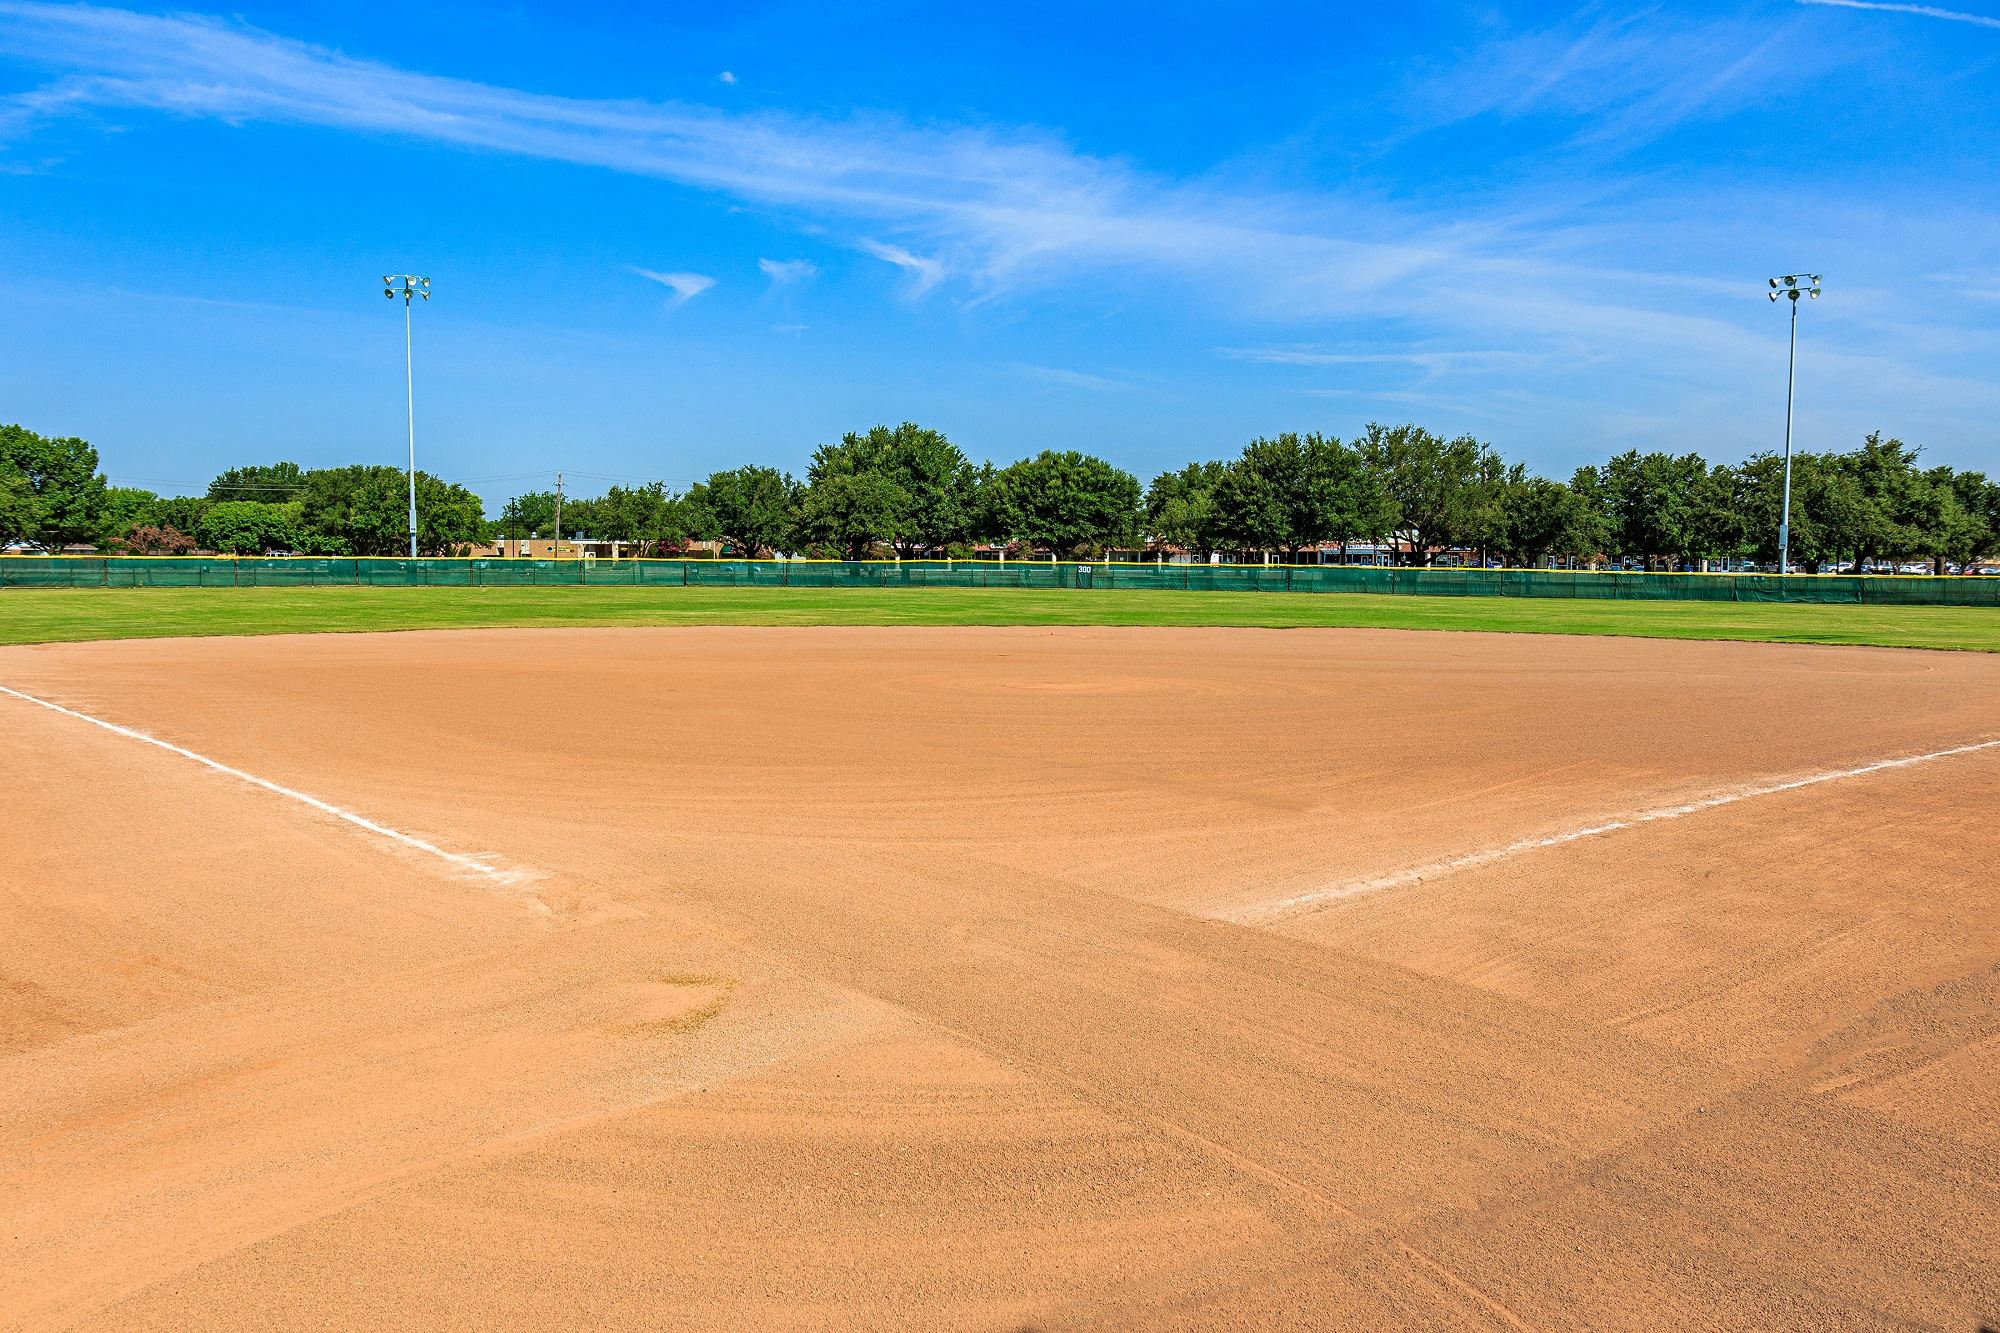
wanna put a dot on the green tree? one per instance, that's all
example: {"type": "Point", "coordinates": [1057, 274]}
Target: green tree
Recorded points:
{"type": "Point", "coordinates": [180, 512]}
{"type": "Point", "coordinates": [748, 508]}
{"type": "Point", "coordinates": [1894, 497]}
{"type": "Point", "coordinates": [535, 514]}
{"type": "Point", "coordinates": [126, 508]}
{"type": "Point", "coordinates": [1654, 502]}
{"type": "Point", "coordinates": [1067, 503]}
{"type": "Point", "coordinates": [1982, 497]}
{"type": "Point", "coordinates": [270, 483]}
{"type": "Point", "coordinates": [1826, 509]}
{"type": "Point", "coordinates": [1586, 484]}
{"type": "Point", "coordinates": [448, 516]}
{"type": "Point", "coordinates": [1945, 530]}
{"type": "Point", "coordinates": [938, 483]}
{"type": "Point", "coordinates": [1180, 507]}
{"type": "Point", "coordinates": [20, 515]}
{"type": "Point", "coordinates": [1443, 490]}
{"type": "Point", "coordinates": [1489, 526]}
{"type": "Point", "coordinates": [1541, 518]}
{"type": "Point", "coordinates": [1247, 507]}
{"type": "Point", "coordinates": [989, 518]}
{"type": "Point", "coordinates": [1298, 491]}
{"type": "Point", "coordinates": [1714, 522]}
{"type": "Point", "coordinates": [247, 527]}
{"type": "Point", "coordinates": [1979, 500]}
{"type": "Point", "coordinates": [529, 515]}
{"type": "Point", "coordinates": [851, 511]}
{"type": "Point", "coordinates": [1669, 508]}
{"type": "Point", "coordinates": [582, 514]}
{"type": "Point", "coordinates": [649, 516]}
{"type": "Point", "coordinates": [62, 476]}
{"type": "Point", "coordinates": [364, 510]}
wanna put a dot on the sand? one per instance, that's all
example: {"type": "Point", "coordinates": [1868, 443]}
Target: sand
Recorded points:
{"type": "Point", "coordinates": [932, 978]}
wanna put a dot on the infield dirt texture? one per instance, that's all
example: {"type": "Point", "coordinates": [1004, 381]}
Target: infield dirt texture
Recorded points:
{"type": "Point", "coordinates": [998, 978]}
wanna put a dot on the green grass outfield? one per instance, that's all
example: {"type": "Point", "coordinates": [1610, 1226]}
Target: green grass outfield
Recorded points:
{"type": "Point", "coordinates": [63, 615]}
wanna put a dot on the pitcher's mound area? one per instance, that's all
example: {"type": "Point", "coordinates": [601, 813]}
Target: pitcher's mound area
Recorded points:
{"type": "Point", "coordinates": [997, 978]}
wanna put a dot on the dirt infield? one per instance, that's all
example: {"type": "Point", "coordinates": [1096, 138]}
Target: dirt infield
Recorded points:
{"type": "Point", "coordinates": [998, 978]}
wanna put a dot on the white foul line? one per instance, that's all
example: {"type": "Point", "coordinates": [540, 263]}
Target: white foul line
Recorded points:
{"type": "Point", "coordinates": [456, 859]}
{"type": "Point", "coordinates": [1310, 902]}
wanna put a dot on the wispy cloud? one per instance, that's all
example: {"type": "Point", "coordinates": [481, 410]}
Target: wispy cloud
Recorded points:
{"type": "Point", "coordinates": [926, 273]}
{"type": "Point", "coordinates": [727, 76]}
{"type": "Point", "coordinates": [1922, 11]}
{"type": "Point", "coordinates": [1497, 409]}
{"type": "Point", "coordinates": [1075, 379]}
{"type": "Point", "coordinates": [684, 286]}
{"type": "Point", "coordinates": [1628, 78]}
{"type": "Point", "coordinates": [1976, 284]}
{"type": "Point", "coordinates": [1435, 362]}
{"type": "Point", "coordinates": [783, 272]}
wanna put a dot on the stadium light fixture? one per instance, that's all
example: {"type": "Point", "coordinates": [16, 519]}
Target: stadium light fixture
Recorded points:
{"type": "Point", "coordinates": [413, 286]}
{"type": "Point", "coordinates": [1788, 286]}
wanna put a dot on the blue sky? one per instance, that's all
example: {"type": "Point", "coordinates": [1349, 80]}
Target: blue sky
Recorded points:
{"type": "Point", "coordinates": [667, 239]}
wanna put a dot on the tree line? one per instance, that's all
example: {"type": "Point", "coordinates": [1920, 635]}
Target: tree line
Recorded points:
{"type": "Point", "coordinates": [1400, 490]}
{"type": "Point", "coordinates": [908, 491]}
{"type": "Point", "coordinates": [53, 496]}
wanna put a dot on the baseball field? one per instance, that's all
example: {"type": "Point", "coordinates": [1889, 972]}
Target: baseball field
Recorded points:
{"type": "Point", "coordinates": [794, 959]}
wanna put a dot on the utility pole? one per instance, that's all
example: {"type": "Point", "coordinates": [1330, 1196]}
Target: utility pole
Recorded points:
{"type": "Point", "coordinates": [412, 286]}
{"type": "Point", "coordinates": [555, 552]}
{"type": "Point", "coordinates": [1793, 291]}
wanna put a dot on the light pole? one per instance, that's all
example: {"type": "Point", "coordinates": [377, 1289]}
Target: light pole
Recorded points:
{"type": "Point", "coordinates": [412, 286]}
{"type": "Point", "coordinates": [1788, 287]}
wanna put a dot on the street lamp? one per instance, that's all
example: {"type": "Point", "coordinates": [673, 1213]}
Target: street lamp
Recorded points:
{"type": "Point", "coordinates": [1788, 287]}
{"type": "Point", "coordinates": [412, 286]}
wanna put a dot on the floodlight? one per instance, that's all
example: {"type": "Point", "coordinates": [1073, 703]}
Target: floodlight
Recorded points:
{"type": "Point", "coordinates": [1792, 290]}
{"type": "Point", "coordinates": [412, 286]}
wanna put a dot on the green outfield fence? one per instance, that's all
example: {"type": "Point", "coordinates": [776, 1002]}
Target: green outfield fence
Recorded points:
{"type": "Point", "coordinates": [348, 571]}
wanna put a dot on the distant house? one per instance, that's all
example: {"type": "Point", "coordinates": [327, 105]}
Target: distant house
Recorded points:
{"type": "Point", "coordinates": [567, 548]}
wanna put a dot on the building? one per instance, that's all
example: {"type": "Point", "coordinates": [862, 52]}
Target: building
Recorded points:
{"type": "Point", "coordinates": [568, 548]}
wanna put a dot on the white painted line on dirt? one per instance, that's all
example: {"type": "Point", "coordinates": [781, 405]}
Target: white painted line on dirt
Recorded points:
{"type": "Point", "coordinates": [458, 860]}
{"type": "Point", "coordinates": [1310, 902]}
